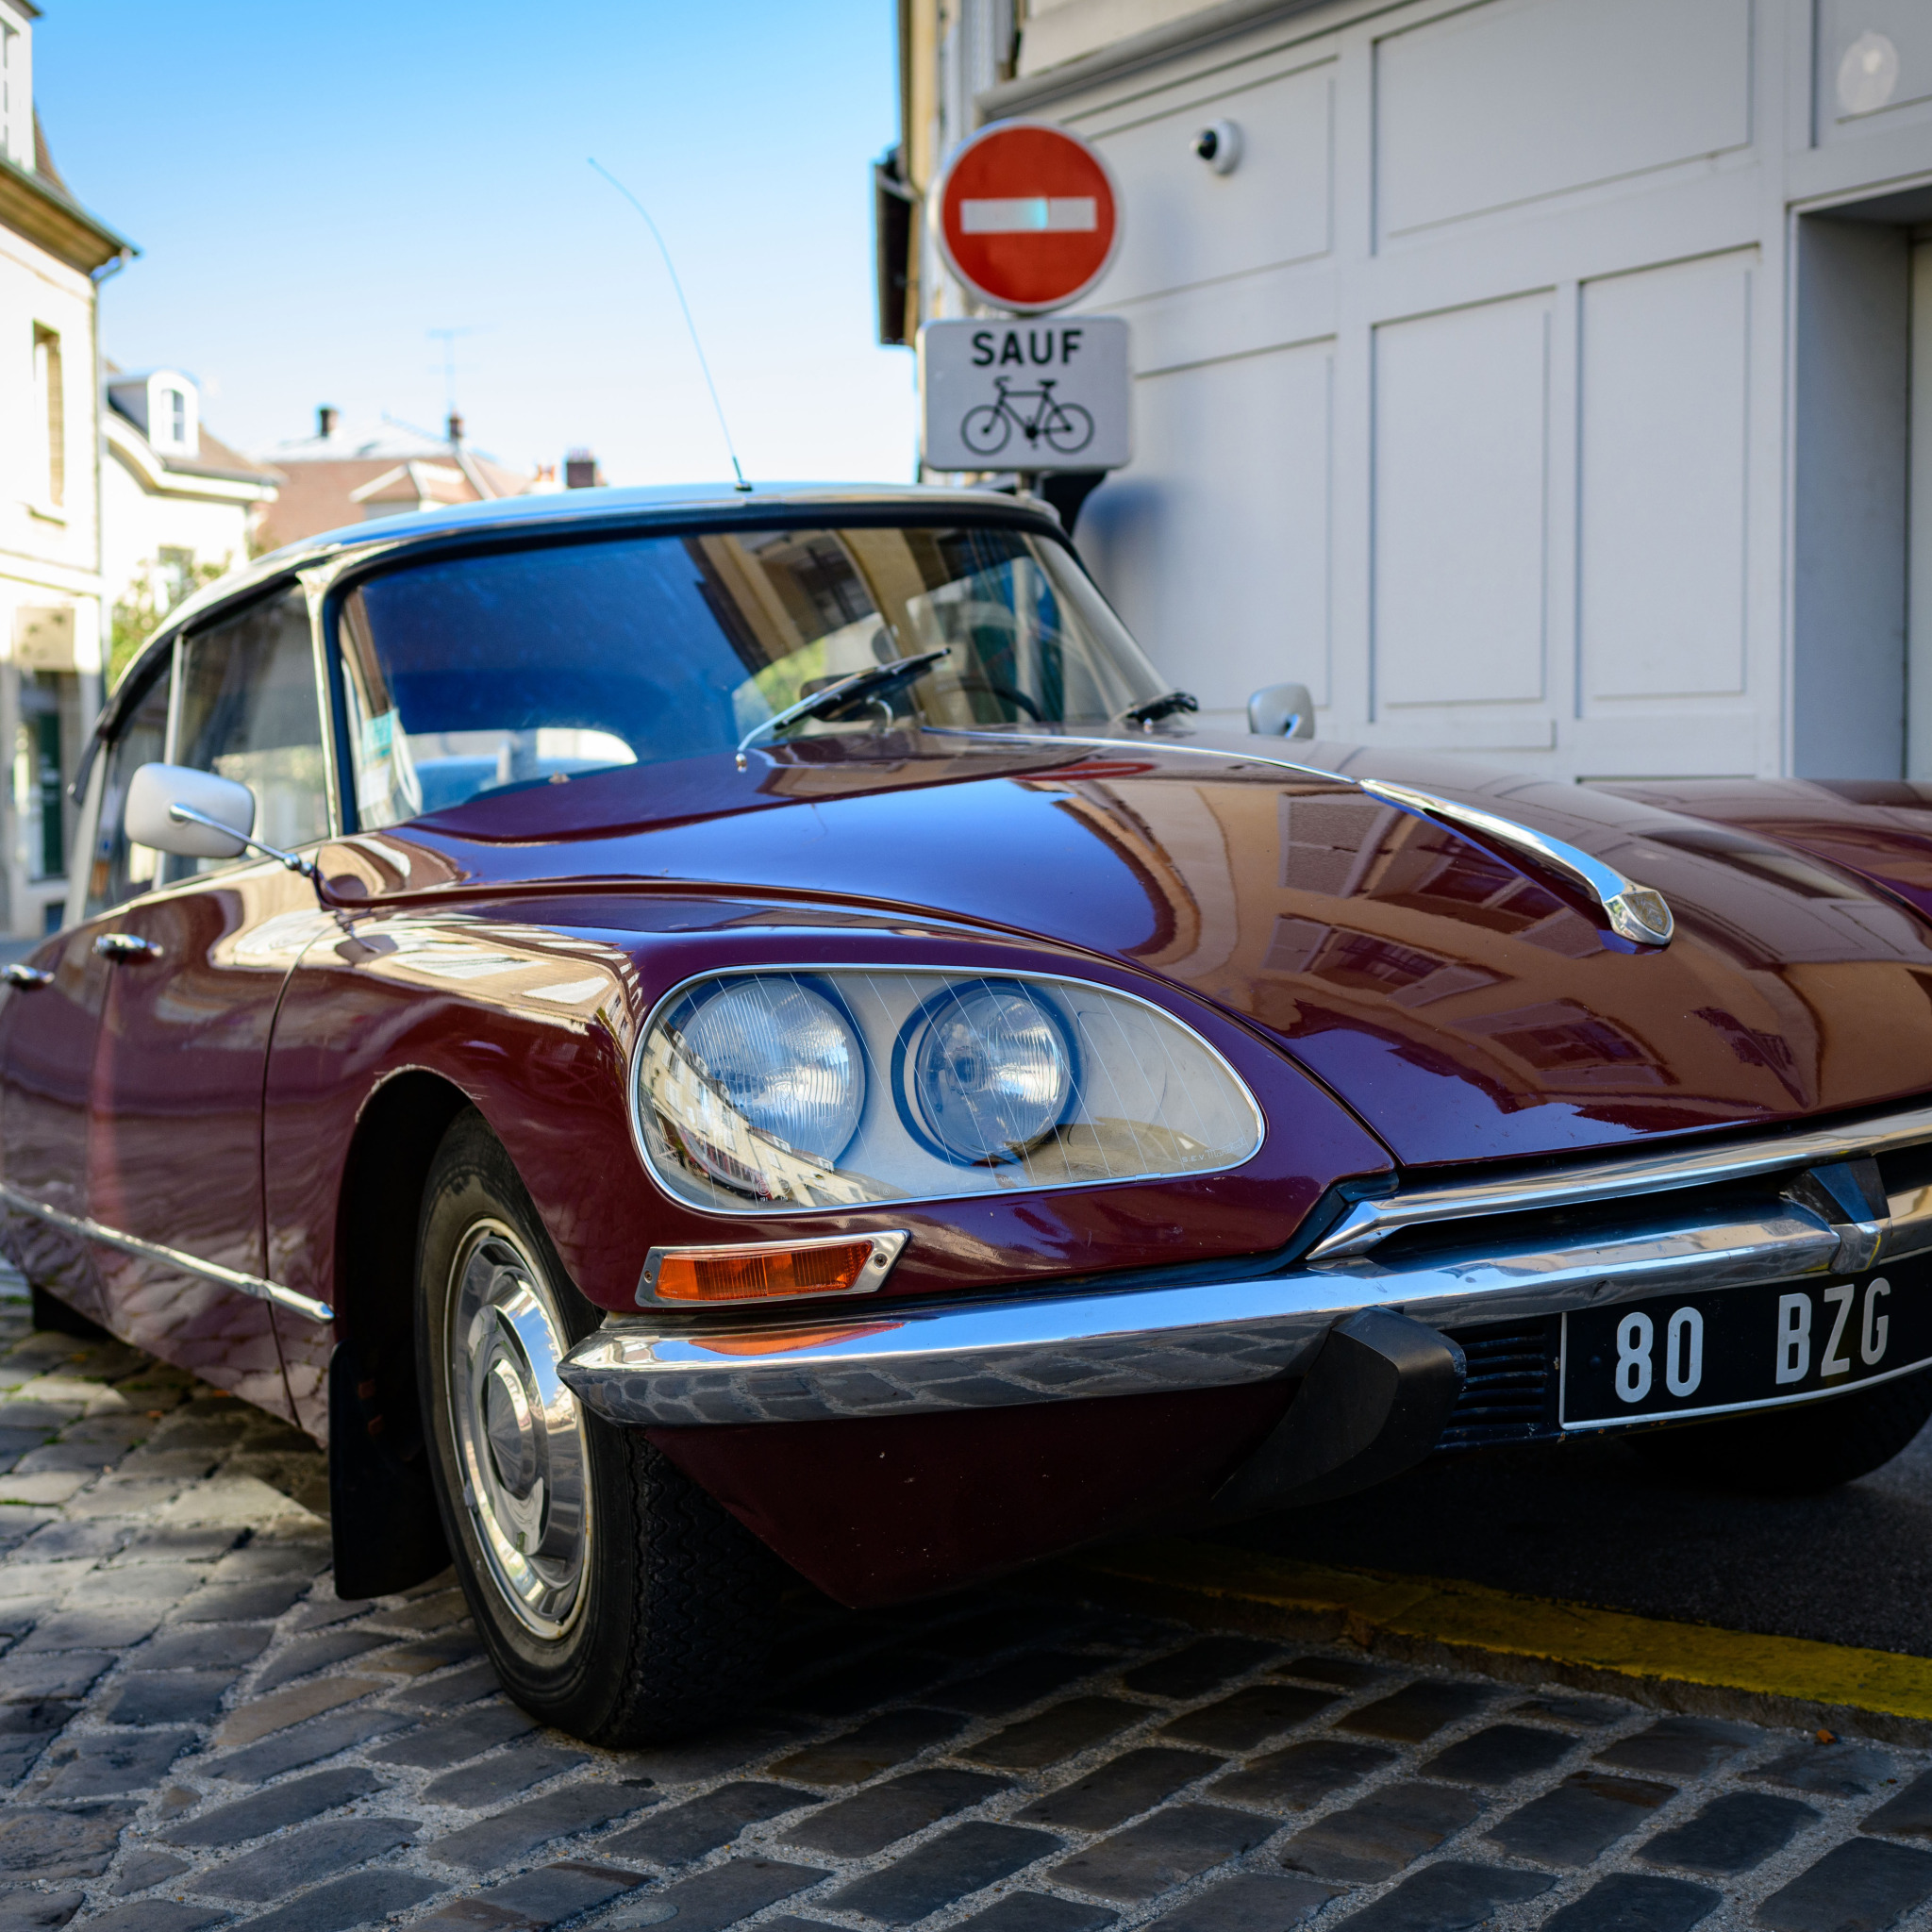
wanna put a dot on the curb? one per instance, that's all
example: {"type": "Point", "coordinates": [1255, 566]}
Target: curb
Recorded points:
{"type": "Point", "coordinates": [1688, 1667]}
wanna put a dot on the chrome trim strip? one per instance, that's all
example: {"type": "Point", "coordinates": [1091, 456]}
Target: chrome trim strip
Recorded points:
{"type": "Point", "coordinates": [926, 1359]}
{"type": "Point", "coordinates": [1129, 744]}
{"type": "Point", "coordinates": [885, 1249]}
{"type": "Point", "coordinates": [1370, 1222]}
{"type": "Point", "coordinates": [250, 1285]}
{"type": "Point", "coordinates": [1638, 913]}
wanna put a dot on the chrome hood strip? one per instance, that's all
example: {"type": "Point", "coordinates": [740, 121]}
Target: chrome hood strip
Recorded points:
{"type": "Point", "coordinates": [254, 1286]}
{"type": "Point", "coordinates": [1635, 912]}
{"type": "Point", "coordinates": [1638, 913]}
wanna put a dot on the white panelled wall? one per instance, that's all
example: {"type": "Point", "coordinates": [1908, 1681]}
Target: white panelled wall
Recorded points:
{"type": "Point", "coordinates": [1538, 383]}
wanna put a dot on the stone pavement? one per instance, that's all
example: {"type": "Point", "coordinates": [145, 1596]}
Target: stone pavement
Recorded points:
{"type": "Point", "coordinates": [195, 1732]}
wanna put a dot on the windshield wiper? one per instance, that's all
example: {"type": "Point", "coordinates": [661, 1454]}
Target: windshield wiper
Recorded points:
{"type": "Point", "coordinates": [875, 682]}
{"type": "Point", "coordinates": [1154, 709]}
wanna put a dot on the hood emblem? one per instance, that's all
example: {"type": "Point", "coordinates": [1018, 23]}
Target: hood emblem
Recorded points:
{"type": "Point", "coordinates": [1638, 913]}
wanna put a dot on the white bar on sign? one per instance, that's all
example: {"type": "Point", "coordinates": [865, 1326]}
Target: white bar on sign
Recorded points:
{"type": "Point", "coordinates": [1032, 214]}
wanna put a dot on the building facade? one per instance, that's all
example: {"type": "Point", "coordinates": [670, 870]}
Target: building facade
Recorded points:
{"type": "Point", "coordinates": [53, 255]}
{"type": "Point", "coordinates": [1539, 382]}
{"type": "Point", "coordinates": [342, 476]}
{"type": "Point", "coordinates": [178, 506]}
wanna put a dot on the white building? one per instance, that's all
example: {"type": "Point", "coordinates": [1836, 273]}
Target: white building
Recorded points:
{"type": "Point", "coordinates": [53, 253]}
{"type": "Point", "coordinates": [1538, 383]}
{"type": "Point", "coordinates": [177, 505]}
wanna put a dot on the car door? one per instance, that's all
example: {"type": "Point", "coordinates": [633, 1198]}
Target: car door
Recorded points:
{"type": "Point", "coordinates": [195, 969]}
{"type": "Point", "coordinates": [49, 1016]}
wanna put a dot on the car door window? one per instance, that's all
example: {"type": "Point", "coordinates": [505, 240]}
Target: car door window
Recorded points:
{"type": "Point", "coordinates": [248, 711]}
{"type": "Point", "coordinates": [122, 868]}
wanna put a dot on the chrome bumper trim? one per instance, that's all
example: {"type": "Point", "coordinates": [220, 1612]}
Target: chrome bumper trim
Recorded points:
{"type": "Point", "coordinates": [1370, 1222]}
{"type": "Point", "coordinates": [925, 1359]}
{"type": "Point", "coordinates": [250, 1285]}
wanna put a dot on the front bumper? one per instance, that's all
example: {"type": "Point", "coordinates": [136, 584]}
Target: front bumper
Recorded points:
{"type": "Point", "coordinates": [1764, 1208]}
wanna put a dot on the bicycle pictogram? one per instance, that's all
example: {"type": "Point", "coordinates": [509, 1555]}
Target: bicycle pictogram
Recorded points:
{"type": "Point", "coordinates": [1064, 427]}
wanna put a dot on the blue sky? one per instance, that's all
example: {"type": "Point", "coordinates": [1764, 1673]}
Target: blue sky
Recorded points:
{"type": "Point", "coordinates": [314, 189]}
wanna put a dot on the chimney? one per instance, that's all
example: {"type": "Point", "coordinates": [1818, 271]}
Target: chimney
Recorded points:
{"type": "Point", "coordinates": [581, 469]}
{"type": "Point", "coordinates": [454, 428]}
{"type": "Point", "coordinates": [324, 422]}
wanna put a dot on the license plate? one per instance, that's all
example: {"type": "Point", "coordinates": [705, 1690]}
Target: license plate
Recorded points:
{"type": "Point", "coordinates": [1743, 1348]}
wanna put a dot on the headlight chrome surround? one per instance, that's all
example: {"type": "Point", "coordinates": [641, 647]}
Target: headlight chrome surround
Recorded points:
{"type": "Point", "coordinates": [1147, 1098]}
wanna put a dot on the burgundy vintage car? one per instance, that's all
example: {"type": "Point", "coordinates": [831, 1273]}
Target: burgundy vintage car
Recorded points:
{"type": "Point", "coordinates": [701, 1037]}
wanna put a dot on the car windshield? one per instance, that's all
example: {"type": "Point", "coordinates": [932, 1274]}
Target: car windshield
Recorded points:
{"type": "Point", "coordinates": [508, 667]}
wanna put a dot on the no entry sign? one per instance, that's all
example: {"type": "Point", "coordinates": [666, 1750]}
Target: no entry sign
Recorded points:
{"type": "Point", "coordinates": [1027, 216]}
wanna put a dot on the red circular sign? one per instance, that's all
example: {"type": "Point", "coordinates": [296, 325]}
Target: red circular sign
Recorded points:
{"type": "Point", "coordinates": [1027, 215]}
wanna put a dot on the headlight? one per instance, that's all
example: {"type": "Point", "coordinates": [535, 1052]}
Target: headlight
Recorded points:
{"type": "Point", "coordinates": [830, 1088]}
{"type": "Point", "coordinates": [992, 1070]}
{"type": "Point", "coordinates": [782, 1062]}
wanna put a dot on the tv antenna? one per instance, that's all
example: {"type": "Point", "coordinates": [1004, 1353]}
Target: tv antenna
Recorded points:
{"type": "Point", "coordinates": [447, 337]}
{"type": "Point", "coordinates": [671, 267]}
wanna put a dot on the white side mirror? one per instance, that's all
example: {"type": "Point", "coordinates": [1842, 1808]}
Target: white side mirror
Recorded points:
{"type": "Point", "coordinates": [1282, 710]}
{"type": "Point", "coordinates": [156, 790]}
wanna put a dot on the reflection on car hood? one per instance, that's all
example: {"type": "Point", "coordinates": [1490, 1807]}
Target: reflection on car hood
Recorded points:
{"type": "Point", "coordinates": [1463, 1001]}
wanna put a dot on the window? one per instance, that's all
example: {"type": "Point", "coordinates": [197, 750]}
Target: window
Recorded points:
{"type": "Point", "coordinates": [14, 93]}
{"type": "Point", "coordinates": [178, 416]}
{"type": "Point", "coordinates": [50, 401]}
{"type": "Point", "coordinates": [468, 675]}
{"type": "Point", "coordinates": [248, 711]}
{"type": "Point", "coordinates": [38, 801]}
{"type": "Point", "coordinates": [174, 576]}
{"type": "Point", "coordinates": [121, 870]}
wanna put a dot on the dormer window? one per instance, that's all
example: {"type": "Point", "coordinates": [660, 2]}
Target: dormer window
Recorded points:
{"type": "Point", "coordinates": [163, 404]}
{"type": "Point", "coordinates": [16, 96]}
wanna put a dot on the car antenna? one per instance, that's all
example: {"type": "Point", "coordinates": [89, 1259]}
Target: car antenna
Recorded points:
{"type": "Point", "coordinates": [730, 448]}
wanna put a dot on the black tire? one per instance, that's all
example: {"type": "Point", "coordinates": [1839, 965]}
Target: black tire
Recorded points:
{"type": "Point", "coordinates": [672, 1615]}
{"type": "Point", "coordinates": [53, 1315]}
{"type": "Point", "coordinates": [1796, 1452]}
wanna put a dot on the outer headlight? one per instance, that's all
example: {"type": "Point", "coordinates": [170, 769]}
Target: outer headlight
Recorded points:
{"type": "Point", "coordinates": [763, 1066]}
{"type": "Point", "coordinates": [836, 1087]}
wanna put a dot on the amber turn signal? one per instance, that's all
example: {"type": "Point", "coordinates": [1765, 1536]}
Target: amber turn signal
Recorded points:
{"type": "Point", "coordinates": [769, 1272]}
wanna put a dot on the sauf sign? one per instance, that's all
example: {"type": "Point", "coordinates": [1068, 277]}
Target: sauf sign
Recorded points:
{"type": "Point", "coordinates": [1024, 395]}
{"type": "Point", "coordinates": [1029, 220]}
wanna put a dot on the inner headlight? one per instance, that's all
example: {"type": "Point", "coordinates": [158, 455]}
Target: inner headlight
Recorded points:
{"type": "Point", "coordinates": [840, 1087]}
{"type": "Point", "coordinates": [991, 1070]}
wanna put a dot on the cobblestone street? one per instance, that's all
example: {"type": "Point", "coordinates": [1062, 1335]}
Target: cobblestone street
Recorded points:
{"type": "Point", "coordinates": [196, 1732]}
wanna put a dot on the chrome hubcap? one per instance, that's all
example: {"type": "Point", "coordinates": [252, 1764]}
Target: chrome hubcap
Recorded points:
{"type": "Point", "coordinates": [519, 1432]}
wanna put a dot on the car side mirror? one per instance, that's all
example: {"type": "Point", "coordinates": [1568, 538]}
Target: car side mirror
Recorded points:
{"type": "Point", "coordinates": [155, 790]}
{"type": "Point", "coordinates": [1282, 710]}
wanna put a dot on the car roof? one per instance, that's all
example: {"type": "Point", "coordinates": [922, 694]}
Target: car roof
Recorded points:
{"type": "Point", "coordinates": [597, 508]}
{"type": "Point", "coordinates": [668, 503]}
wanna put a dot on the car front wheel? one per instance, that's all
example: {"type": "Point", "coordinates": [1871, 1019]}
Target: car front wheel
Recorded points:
{"type": "Point", "coordinates": [1801, 1451]}
{"type": "Point", "coordinates": [618, 1601]}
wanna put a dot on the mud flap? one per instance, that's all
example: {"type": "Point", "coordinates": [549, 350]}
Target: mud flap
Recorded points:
{"type": "Point", "coordinates": [387, 1532]}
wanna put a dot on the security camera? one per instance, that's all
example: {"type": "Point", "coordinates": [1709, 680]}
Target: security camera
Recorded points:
{"type": "Point", "coordinates": [1220, 146]}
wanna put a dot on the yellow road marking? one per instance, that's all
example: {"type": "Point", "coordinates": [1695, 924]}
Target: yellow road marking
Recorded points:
{"type": "Point", "coordinates": [1279, 1595]}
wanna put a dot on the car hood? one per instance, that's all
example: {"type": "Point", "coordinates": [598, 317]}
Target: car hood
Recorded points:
{"type": "Point", "coordinates": [1466, 1001]}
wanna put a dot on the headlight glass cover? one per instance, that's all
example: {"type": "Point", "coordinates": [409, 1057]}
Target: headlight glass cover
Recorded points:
{"type": "Point", "coordinates": [830, 1088]}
